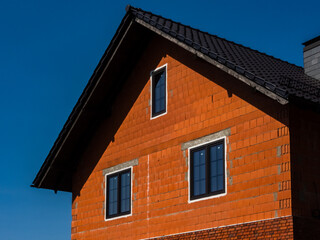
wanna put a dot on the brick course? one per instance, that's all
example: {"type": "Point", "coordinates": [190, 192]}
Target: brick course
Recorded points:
{"type": "Point", "coordinates": [201, 100]}
{"type": "Point", "coordinates": [279, 228]}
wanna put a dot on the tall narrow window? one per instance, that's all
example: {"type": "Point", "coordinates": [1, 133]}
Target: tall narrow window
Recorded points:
{"type": "Point", "coordinates": [207, 174]}
{"type": "Point", "coordinates": [159, 92]}
{"type": "Point", "coordinates": [118, 194]}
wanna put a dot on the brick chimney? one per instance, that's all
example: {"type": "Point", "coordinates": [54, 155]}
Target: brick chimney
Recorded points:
{"type": "Point", "coordinates": [311, 57]}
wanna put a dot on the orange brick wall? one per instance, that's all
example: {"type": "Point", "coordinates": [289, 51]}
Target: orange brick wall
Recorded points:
{"type": "Point", "coordinates": [258, 152]}
{"type": "Point", "coordinates": [278, 228]}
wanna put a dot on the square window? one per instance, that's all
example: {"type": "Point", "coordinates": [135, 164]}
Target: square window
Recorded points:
{"type": "Point", "coordinates": [207, 170]}
{"type": "Point", "coordinates": [159, 92]}
{"type": "Point", "coordinates": [118, 194]}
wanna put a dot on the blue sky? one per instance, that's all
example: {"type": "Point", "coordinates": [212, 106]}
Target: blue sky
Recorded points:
{"type": "Point", "coordinates": [48, 51]}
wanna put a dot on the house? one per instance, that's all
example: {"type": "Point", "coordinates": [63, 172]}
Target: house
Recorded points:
{"type": "Point", "coordinates": [181, 134]}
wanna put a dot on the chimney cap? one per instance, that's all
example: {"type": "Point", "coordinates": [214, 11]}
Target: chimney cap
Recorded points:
{"type": "Point", "coordinates": [313, 40]}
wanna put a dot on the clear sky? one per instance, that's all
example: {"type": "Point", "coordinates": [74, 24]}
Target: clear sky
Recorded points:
{"type": "Point", "coordinates": [48, 51]}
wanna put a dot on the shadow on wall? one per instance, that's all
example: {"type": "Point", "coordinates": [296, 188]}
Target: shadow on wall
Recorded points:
{"type": "Point", "coordinates": [102, 134]}
{"type": "Point", "coordinates": [305, 164]}
{"type": "Point", "coordinates": [233, 85]}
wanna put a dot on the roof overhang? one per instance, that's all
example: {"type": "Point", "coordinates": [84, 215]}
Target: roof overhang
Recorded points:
{"type": "Point", "coordinates": [96, 101]}
{"type": "Point", "coordinates": [216, 63]}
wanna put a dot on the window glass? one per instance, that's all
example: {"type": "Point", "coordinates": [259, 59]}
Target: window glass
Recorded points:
{"type": "Point", "coordinates": [118, 196]}
{"type": "Point", "coordinates": [216, 168]}
{"type": "Point", "coordinates": [159, 92]}
{"type": "Point", "coordinates": [199, 170]}
{"type": "Point", "coordinates": [113, 195]}
{"type": "Point", "coordinates": [207, 174]}
{"type": "Point", "coordinates": [125, 192]}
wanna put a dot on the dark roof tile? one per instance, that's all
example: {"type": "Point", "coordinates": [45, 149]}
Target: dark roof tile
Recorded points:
{"type": "Point", "coordinates": [261, 68]}
{"type": "Point", "coordinates": [281, 77]}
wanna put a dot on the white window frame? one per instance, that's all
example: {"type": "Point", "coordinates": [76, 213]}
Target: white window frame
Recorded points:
{"type": "Point", "coordinates": [151, 87]}
{"type": "Point", "coordinates": [224, 138]}
{"type": "Point", "coordinates": [105, 193]}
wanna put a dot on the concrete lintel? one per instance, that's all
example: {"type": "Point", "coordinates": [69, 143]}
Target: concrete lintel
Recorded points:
{"type": "Point", "coordinates": [207, 138]}
{"type": "Point", "coordinates": [131, 163]}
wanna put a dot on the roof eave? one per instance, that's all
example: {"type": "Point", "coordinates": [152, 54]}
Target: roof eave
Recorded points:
{"type": "Point", "coordinates": [98, 73]}
{"type": "Point", "coordinates": [81, 104]}
{"type": "Point", "coordinates": [224, 68]}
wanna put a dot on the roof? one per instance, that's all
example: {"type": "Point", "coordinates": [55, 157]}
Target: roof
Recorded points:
{"type": "Point", "coordinates": [280, 77]}
{"type": "Point", "coordinates": [277, 79]}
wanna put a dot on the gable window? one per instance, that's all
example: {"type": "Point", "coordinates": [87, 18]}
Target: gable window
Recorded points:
{"type": "Point", "coordinates": [118, 194]}
{"type": "Point", "coordinates": [159, 92]}
{"type": "Point", "coordinates": [207, 170]}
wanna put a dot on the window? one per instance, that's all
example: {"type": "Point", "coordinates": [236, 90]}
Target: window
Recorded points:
{"type": "Point", "coordinates": [159, 92]}
{"type": "Point", "coordinates": [118, 194]}
{"type": "Point", "coordinates": [207, 170]}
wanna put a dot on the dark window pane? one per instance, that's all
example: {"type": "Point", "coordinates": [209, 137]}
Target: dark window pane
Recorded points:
{"type": "Point", "coordinates": [159, 91]}
{"type": "Point", "coordinates": [207, 170]}
{"type": "Point", "coordinates": [219, 151]}
{"type": "Point", "coordinates": [213, 168]}
{"type": "Point", "coordinates": [220, 167]}
{"type": "Point", "coordinates": [118, 194]}
{"type": "Point", "coordinates": [214, 184]}
{"type": "Point", "coordinates": [220, 182]}
{"type": "Point", "coordinates": [216, 168]}
{"type": "Point", "coordinates": [113, 195]}
{"type": "Point", "coordinates": [199, 172]}
{"type": "Point", "coordinates": [125, 192]}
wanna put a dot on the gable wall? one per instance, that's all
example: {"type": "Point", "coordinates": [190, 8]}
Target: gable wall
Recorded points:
{"type": "Point", "coordinates": [258, 169]}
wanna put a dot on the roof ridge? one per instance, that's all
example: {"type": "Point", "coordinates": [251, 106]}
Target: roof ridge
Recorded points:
{"type": "Point", "coordinates": [129, 8]}
{"type": "Point", "coordinates": [264, 71]}
{"type": "Point", "coordinates": [268, 75]}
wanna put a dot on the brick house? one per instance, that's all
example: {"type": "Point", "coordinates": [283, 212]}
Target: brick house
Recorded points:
{"type": "Point", "coordinates": [181, 134]}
